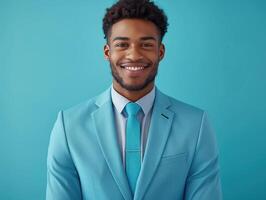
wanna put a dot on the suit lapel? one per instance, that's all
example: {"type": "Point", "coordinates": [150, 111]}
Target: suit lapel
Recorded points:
{"type": "Point", "coordinates": [159, 130]}
{"type": "Point", "coordinates": [105, 127]}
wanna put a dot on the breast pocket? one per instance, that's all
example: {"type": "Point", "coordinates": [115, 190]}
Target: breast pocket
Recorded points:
{"type": "Point", "coordinates": [173, 158]}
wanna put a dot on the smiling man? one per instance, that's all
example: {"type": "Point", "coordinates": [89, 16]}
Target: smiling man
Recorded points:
{"type": "Point", "coordinates": [133, 141]}
{"type": "Point", "coordinates": [134, 49]}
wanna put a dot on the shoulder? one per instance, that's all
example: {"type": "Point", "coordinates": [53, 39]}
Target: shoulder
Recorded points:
{"type": "Point", "coordinates": [85, 109]}
{"type": "Point", "coordinates": [181, 109]}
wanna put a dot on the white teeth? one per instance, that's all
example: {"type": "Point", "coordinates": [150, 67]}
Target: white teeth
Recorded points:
{"type": "Point", "coordinates": [134, 68]}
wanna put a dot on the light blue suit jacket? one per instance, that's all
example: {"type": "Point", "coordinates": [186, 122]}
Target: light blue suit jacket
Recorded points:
{"type": "Point", "coordinates": [180, 161]}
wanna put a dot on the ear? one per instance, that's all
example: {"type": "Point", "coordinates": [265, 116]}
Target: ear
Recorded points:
{"type": "Point", "coordinates": [161, 51]}
{"type": "Point", "coordinates": [106, 52]}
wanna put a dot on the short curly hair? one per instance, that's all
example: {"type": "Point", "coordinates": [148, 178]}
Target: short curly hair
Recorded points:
{"type": "Point", "coordinates": [135, 9]}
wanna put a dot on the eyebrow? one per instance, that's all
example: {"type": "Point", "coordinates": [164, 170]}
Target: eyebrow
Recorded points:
{"type": "Point", "coordinates": [120, 38]}
{"type": "Point", "coordinates": [142, 38]}
{"type": "Point", "coordinates": [148, 38]}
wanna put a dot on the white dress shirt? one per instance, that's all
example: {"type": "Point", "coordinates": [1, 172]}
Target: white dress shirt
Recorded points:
{"type": "Point", "coordinates": [119, 103]}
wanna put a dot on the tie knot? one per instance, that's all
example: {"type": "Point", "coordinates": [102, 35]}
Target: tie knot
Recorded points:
{"type": "Point", "coordinates": [132, 108]}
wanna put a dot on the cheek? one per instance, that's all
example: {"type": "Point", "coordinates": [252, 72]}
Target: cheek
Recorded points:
{"type": "Point", "coordinates": [114, 58]}
{"type": "Point", "coordinates": [153, 56]}
{"type": "Point", "coordinates": [155, 59]}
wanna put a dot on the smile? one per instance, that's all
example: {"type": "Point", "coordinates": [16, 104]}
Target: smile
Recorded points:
{"type": "Point", "coordinates": [134, 68]}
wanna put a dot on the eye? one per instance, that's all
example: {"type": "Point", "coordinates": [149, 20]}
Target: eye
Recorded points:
{"type": "Point", "coordinates": [121, 45]}
{"type": "Point", "coordinates": [147, 45]}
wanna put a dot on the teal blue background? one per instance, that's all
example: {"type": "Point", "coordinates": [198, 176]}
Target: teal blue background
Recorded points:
{"type": "Point", "coordinates": [51, 58]}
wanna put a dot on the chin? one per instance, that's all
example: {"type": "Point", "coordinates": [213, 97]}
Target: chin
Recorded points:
{"type": "Point", "coordinates": [135, 87]}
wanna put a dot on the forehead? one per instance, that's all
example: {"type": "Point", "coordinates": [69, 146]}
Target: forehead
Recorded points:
{"type": "Point", "coordinates": [134, 29]}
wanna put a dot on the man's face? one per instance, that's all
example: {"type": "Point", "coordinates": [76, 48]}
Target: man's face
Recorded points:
{"type": "Point", "coordinates": [134, 51]}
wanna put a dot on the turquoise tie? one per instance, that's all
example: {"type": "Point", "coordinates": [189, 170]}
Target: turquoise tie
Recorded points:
{"type": "Point", "coordinates": [133, 159]}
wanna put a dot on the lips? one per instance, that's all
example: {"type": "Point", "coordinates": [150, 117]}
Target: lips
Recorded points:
{"type": "Point", "coordinates": [134, 66]}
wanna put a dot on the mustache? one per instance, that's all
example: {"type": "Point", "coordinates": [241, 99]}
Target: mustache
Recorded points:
{"type": "Point", "coordinates": [128, 61]}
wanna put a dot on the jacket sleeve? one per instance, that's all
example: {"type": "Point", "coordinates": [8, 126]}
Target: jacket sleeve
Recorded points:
{"type": "Point", "coordinates": [62, 177]}
{"type": "Point", "coordinates": [203, 182]}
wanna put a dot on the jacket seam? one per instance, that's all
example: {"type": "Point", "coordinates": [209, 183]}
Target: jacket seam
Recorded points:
{"type": "Point", "coordinates": [68, 149]}
{"type": "Point", "coordinates": [197, 141]}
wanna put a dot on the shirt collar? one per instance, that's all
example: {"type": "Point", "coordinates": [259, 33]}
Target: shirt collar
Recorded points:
{"type": "Point", "coordinates": [146, 102]}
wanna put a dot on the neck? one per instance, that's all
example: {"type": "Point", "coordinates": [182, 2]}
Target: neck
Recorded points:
{"type": "Point", "coordinates": [133, 95]}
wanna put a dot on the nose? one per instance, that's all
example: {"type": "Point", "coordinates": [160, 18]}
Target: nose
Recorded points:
{"type": "Point", "coordinates": [133, 53]}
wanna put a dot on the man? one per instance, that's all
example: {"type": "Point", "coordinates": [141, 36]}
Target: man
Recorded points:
{"type": "Point", "coordinates": [133, 141]}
